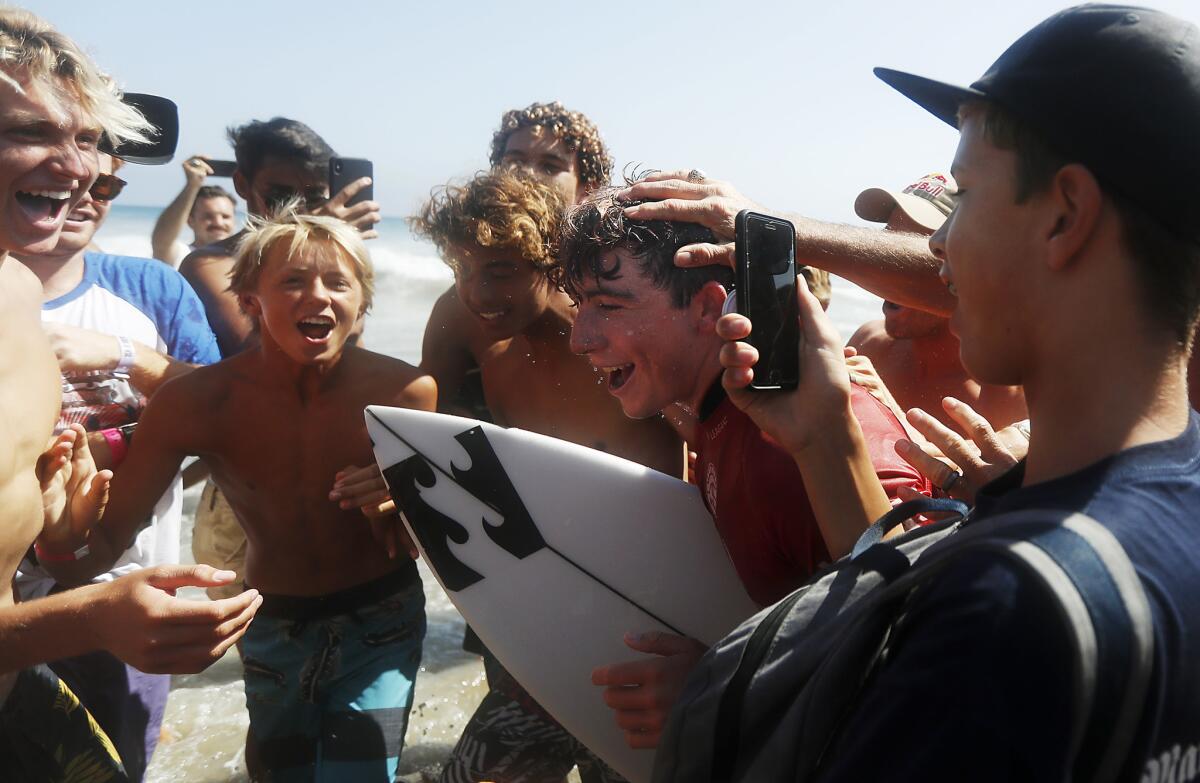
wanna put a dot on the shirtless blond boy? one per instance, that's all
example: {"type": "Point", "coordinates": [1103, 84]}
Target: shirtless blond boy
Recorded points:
{"type": "Point", "coordinates": [330, 664]}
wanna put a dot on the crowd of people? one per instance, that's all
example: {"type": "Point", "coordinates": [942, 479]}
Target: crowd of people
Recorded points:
{"type": "Point", "coordinates": [1040, 306]}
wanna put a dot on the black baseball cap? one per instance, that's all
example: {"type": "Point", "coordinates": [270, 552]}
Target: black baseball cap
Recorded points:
{"type": "Point", "coordinates": [163, 114]}
{"type": "Point", "coordinates": [1114, 87]}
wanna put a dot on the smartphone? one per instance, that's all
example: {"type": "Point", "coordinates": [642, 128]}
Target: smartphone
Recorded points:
{"type": "Point", "coordinates": [221, 168]}
{"type": "Point", "coordinates": [343, 171]}
{"type": "Point", "coordinates": [765, 279]}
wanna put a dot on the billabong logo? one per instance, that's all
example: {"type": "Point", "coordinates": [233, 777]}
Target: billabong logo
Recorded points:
{"type": "Point", "coordinates": [488, 482]}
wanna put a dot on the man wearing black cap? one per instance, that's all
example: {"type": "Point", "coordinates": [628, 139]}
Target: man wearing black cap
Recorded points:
{"type": "Point", "coordinates": [1073, 257]}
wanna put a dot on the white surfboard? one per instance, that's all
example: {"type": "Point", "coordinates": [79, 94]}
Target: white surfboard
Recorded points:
{"type": "Point", "coordinates": [553, 551]}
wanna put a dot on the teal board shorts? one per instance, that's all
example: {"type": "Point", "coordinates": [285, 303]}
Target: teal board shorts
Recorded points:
{"type": "Point", "coordinates": [329, 679]}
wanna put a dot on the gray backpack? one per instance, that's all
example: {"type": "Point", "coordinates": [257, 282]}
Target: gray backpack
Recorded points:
{"type": "Point", "coordinates": [766, 702]}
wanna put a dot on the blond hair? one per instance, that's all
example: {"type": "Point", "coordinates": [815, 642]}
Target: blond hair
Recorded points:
{"type": "Point", "coordinates": [297, 229]}
{"type": "Point", "coordinates": [30, 44]}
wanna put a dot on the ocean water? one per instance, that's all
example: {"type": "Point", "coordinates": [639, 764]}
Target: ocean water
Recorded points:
{"type": "Point", "coordinates": [204, 729]}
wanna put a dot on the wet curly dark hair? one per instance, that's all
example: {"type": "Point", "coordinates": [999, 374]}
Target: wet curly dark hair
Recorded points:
{"type": "Point", "coordinates": [495, 209]}
{"type": "Point", "coordinates": [574, 128]}
{"type": "Point", "coordinates": [598, 226]}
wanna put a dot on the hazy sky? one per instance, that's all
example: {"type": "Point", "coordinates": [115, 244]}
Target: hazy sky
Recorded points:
{"type": "Point", "coordinates": [776, 97]}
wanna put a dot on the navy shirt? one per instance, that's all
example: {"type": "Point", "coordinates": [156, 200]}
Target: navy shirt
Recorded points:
{"type": "Point", "coordinates": [979, 685]}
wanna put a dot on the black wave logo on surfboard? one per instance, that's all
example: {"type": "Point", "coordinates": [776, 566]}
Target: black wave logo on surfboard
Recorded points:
{"type": "Point", "coordinates": [487, 480]}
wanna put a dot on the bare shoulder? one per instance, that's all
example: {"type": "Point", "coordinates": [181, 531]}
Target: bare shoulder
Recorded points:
{"type": "Point", "coordinates": [453, 329]}
{"type": "Point", "coordinates": [217, 254]}
{"type": "Point", "coordinates": [870, 335]}
{"type": "Point", "coordinates": [19, 281]}
{"type": "Point", "coordinates": [202, 389]}
{"type": "Point", "coordinates": [394, 381]}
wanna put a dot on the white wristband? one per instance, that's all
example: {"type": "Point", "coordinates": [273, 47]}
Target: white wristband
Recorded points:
{"type": "Point", "coordinates": [125, 363]}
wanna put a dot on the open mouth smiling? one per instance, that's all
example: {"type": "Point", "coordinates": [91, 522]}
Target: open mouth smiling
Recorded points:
{"type": "Point", "coordinates": [315, 328]}
{"type": "Point", "coordinates": [43, 206]}
{"type": "Point", "coordinates": [618, 375]}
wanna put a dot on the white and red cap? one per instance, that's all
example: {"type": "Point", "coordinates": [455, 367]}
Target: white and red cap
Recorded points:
{"type": "Point", "coordinates": [928, 201]}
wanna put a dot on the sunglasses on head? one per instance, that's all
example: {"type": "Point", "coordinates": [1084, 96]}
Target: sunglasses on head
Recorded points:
{"type": "Point", "coordinates": [107, 187]}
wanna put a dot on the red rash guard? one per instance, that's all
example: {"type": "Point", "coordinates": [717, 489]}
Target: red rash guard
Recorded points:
{"type": "Point", "coordinates": [756, 494]}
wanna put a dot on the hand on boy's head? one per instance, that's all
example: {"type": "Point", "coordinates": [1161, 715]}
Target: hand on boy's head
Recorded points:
{"type": "Point", "coordinates": [792, 418]}
{"type": "Point", "coordinates": [671, 195]}
{"type": "Point", "coordinates": [140, 620]}
{"type": "Point", "coordinates": [642, 692]}
{"type": "Point", "coordinates": [362, 216]}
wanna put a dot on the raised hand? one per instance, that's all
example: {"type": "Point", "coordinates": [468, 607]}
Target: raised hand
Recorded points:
{"type": "Point", "coordinates": [74, 493]}
{"type": "Point", "coordinates": [958, 465]}
{"type": "Point", "coordinates": [363, 215]}
{"type": "Point", "coordinates": [797, 417]}
{"type": "Point", "coordinates": [691, 198]}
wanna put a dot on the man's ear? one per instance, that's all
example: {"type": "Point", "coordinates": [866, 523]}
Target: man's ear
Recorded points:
{"type": "Point", "coordinates": [241, 185]}
{"type": "Point", "coordinates": [707, 306]}
{"type": "Point", "coordinates": [1077, 202]}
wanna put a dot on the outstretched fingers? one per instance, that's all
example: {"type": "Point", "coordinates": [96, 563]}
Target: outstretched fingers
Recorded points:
{"type": "Point", "coordinates": [956, 448]}
{"type": "Point", "coordinates": [978, 430]}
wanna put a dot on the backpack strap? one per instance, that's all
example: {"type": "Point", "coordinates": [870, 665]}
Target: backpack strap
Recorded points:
{"type": "Point", "coordinates": [729, 714]}
{"type": "Point", "coordinates": [1101, 600]}
{"type": "Point", "coordinates": [902, 511]}
{"type": "Point", "coordinates": [728, 726]}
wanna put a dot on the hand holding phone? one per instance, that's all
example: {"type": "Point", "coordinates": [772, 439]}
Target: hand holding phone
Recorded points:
{"type": "Point", "coordinates": [356, 207]}
{"type": "Point", "coordinates": [765, 279]}
{"type": "Point", "coordinates": [221, 168]}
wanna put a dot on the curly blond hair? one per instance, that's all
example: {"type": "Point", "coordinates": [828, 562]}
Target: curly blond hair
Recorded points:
{"type": "Point", "coordinates": [573, 128]}
{"type": "Point", "coordinates": [495, 209]}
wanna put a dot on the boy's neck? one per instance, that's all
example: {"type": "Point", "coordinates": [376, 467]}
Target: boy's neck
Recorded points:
{"type": "Point", "coordinates": [1098, 402]}
{"type": "Point", "coordinates": [307, 381]}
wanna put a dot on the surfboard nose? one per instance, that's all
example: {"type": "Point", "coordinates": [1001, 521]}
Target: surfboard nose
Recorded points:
{"type": "Point", "coordinates": [389, 448]}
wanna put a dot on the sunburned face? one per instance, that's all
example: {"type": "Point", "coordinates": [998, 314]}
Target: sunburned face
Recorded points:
{"type": "Point", "coordinates": [503, 290]}
{"type": "Point", "coordinates": [983, 246]}
{"type": "Point", "coordinates": [648, 350]}
{"type": "Point", "coordinates": [48, 160]}
{"type": "Point", "coordinates": [211, 220]}
{"type": "Point", "coordinates": [546, 157]}
{"type": "Point", "coordinates": [85, 219]}
{"type": "Point", "coordinates": [307, 303]}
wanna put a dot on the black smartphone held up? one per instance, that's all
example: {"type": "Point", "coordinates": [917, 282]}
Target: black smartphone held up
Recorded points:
{"type": "Point", "coordinates": [221, 168]}
{"type": "Point", "coordinates": [343, 171]}
{"type": "Point", "coordinates": [766, 294]}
